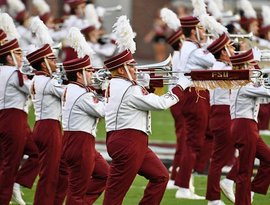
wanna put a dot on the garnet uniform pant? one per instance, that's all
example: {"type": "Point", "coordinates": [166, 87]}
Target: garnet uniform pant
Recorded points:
{"type": "Point", "coordinates": [220, 125]}
{"type": "Point", "coordinates": [88, 170]}
{"type": "Point", "coordinates": [29, 170]}
{"type": "Point", "coordinates": [62, 185]}
{"type": "Point", "coordinates": [176, 111]}
{"type": "Point", "coordinates": [130, 155]}
{"type": "Point", "coordinates": [13, 134]}
{"type": "Point", "coordinates": [203, 159]}
{"type": "Point", "coordinates": [195, 111]}
{"type": "Point", "coordinates": [250, 145]}
{"type": "Point", "coordinates": [264, 116]}
{"type": "Point", "coordinates": [48, 138]}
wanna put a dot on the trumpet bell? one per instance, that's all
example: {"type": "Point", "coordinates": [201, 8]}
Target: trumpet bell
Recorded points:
{"type": "Point", "coordinates": [164, 65]}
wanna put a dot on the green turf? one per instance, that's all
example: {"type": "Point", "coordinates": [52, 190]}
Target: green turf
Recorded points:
{"type": "Point", "coordinates": [136, 192]}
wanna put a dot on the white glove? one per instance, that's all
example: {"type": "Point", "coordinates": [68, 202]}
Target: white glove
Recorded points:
{"type": "Point", "coordinates": [256, 54]}
{"type": "Point", "coordinates": [143, 79]}
{"type": "Point", "coordinates": [183, 81]}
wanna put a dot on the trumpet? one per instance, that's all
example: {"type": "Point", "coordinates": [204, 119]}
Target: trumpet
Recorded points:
{"type": "Point", "coordinates": [165, 65]}
{"type": "Point", "coordinates": [265, 55]}
{"type": "Point", "coordinates": [113, 8]}
{"type": "Point", "coordinates": [101, 11]}
{"type": "Point", "coordinates": [248, 36]}
{"type": "Point", "coordinates": [226, 19]}
{"type": "Point", "coordinates": [163, 70]}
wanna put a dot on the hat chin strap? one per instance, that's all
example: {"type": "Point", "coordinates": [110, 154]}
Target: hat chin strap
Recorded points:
{"type": "Point", "coordinates": [128, 73]}
{"type": "Point", "coordinates": [14, 59]}
{"type": "Point", "coordinates": [84, 78]}
{"type": "Point", "coordinates": [48, 66]}
{"type": "Point", "coordinates": [227, 51]}
{"type": "Point", "coordinates": [198, 34]}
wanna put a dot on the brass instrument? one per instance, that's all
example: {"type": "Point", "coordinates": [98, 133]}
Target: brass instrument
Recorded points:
{"type": "Point", "coordinates": [164, 65]}
{"type": "Point", "coordinates": [235, 36]}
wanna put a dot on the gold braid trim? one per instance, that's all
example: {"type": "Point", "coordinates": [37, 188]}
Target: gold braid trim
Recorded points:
{"type": "Point", "coordinates": [197, 90]}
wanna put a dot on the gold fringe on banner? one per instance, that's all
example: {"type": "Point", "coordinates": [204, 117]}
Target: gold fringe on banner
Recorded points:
{"type": "Point", "coordinates": [225, 84]}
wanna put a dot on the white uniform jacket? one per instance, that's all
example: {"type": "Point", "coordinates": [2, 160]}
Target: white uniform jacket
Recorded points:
{"type": "Point", "coordinates": [12, 95]}
{"type": "Point", "coordinates": [128, 106]}
{"type": "Point", "coordinates": [46, 97]}
{"type": "Point", "coordinates": [220, 96]}
{"type": "Point", "coordinates": [81, 109]}
{"type": "Point", "coordinates": [245, 101]}
{"type": "Point", "coordinates": [195, 58]}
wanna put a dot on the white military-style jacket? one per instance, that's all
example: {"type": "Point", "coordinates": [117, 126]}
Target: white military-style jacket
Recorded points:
{"type": "Point", "coordinates": [128, 106]}
{"type": "Point", "coordinates": [245, 101]}
{"type": "Point", "coordinates": [46, 97]}
{"type": "Point", "coordinates": [195, 58]}
{"type": "Point", "coordinates": [12, 94]}
{"type": "Point", "coordinates": [220, 96]}
{"type": "Point", "coordinates": [81, 109]}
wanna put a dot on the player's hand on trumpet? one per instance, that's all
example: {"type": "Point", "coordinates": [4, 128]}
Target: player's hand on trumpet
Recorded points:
{"type": "Point", "coordinates": [143, 79]}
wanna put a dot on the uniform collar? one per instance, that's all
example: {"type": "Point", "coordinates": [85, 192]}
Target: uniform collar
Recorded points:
{"type": "Point", "coordinates": [42, 73]}
{"type": "Point", "coordinates": [195, 42]}
{"type": "Point", "coordinates": [225, 62]}
{"type": "Point", "coordinates": [126, 79]}
{"type": "Point", "coordinates": [87, 88]}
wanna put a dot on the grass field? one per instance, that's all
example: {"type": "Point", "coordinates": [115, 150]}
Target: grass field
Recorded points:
{"type": "Point", "coordinates": [163, 131]}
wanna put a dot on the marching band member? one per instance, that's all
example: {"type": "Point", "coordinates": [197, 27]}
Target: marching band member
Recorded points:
{"type": "Point", "coordinates": [157, 36]}
{"type": "Point", "coordinates": [46, 16]}
{"type": "Point", "coordinates": [87, 168]}
{"type": "Point", "coordinates": [77, 14]}
{"type": "Point", "coordinates": [92, 35]}
{"type": "Point", "coordinates": [264, 113]}
{"type": "Point", "coordinates": [220, 120]}
{"type": "Point", "coordinates": [22, 17]}
{"type": "Point", "coordinates": [244, 110]}
{"type": "Point", "coordinates": [128, 123]}
{"type": "Point", "coordinates": [196, 105]}
{"type": "Point", "coordinates": [30, 148]}
{"type": "Point", "coordinates": [13, 93]}
{"type": "Point", "coordinates": [46, 97]}
{"type": "Point", "coordinates": [175, 41]}
{"type": "Point", "coordinates": [250, 23]}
